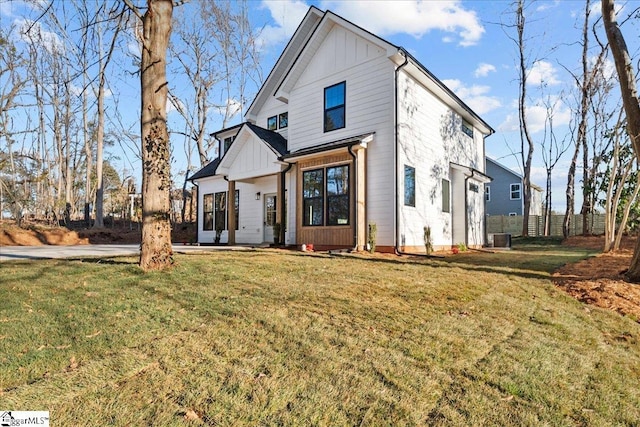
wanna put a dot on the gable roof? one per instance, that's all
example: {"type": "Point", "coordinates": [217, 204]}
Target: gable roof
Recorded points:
{"type": "Point", "coordinates": [305, 41]}
{"type": "Point", "coordinates": [512, 172]}
{"type": "Point", "coordinates": [273, 139]}
{"type": "Point", "coordinates": [208, 170]}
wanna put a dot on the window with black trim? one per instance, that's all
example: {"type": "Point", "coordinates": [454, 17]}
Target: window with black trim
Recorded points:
{"type": "Point", "coordinates": [272, 123]}
{"type": "Point", "coordinates": [283, 120]}
{"type": "Point", "coordinates": [237, 201]}
{"type": "Point", "coordinates": [467, 129]}
{"type": "Point", "coordinates": [220, 210]}
{"type": "Point", "coordinates": [207, 211]}
{"type": "Point", "coordinates": [409, 186]}
{"type": "Point", "coordinates": [325, 196]}
{"type": "Point", "coordinates": [515, 192]}
{"type": "Point", "coordinates": [334, 107]}
{"type": "Point", "coordinates": [227, 143]}
{"type": "Point", "coordinates": [446, 196]}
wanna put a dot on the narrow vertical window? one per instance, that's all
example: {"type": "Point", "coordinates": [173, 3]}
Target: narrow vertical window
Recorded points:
{"type": "Point", "coordinates": [313, 196]}
{"type": "Point", "coordinates": [487, 193]}
{"type": "Point", "coordinates": [207, 212]}
{"type": "Point", "coordinates": [334, 107]}
{"type": "Point", "coordinates": [409, 186]}
{"type": "Point", "coordinates": [446, 196]}
{"type": "Point", "coordinates": [227, 143]}
{"type": "Point", "coordinates": [515, 192]}
{"type": "Point", "coordinates": [220, 214]}
{"type": "Point", "coordinates": [338, 195]}
{"type": "Point", "coordinates": [237, 208]}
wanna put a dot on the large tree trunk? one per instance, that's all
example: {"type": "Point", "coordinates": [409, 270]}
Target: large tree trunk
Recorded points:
{"type": "Point", "coordinates": [629, 93]}
{"type": "Point", "coordinates": [155, 250]}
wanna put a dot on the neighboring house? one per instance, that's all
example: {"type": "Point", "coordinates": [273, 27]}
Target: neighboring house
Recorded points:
{"type": "Point", "coordinates": [505, 194]}
{"type": "Point", "coordinates": [346, 131]}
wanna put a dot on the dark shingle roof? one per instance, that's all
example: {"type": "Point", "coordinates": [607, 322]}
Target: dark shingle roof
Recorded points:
{"type": "Point", "coordinates": [274, 139]}
{"type": "Point", "coordinates": [207, 170]}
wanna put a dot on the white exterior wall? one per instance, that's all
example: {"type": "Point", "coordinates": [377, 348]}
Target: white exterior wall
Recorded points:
{"type": "Point", "coordinates": [251, 211]}
{"type": "Point", "coordinates": [272, 107]}
{"type": "Point", "coordinates": [430, 138]}
{"type": "Point", "coordinates": [369, 75]}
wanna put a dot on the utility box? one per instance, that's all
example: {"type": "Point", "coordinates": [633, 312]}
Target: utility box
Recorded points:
{"type": "Point", "coordinates": [502, 240]}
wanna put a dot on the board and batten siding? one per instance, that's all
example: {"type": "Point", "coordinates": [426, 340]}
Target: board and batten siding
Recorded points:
{"type": "Point", "coordinates": [369, 75]}
{"type": "Point", "coordinates": [430, 139]}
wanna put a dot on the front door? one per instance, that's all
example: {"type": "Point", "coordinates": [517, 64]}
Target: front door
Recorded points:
{"type": "Point", "coordinates": [270, 208]}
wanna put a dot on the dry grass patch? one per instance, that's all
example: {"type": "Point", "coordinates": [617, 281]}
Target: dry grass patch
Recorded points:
{"type": "Point", "coordinates": [271, 337]}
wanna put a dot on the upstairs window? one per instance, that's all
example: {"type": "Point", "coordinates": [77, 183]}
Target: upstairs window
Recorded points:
{"type": "Point", "coordinates": [334, 107]}
{"type": "Point", "coordinates": [487, 193]}
{"type": "Point", "coordinates": [227, 143]}
{"type": "Point", "coordinates": [467, 129]}
{"type": "Point", "coordinates": [283, 120]}
{"type": "Point", "coordinates": [272, 123]}
{"type": "Point", "coordinates": [515, 192]}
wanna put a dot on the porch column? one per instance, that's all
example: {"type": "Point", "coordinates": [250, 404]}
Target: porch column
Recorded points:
{"type": "Point", "coordinates": [360, 194]}
{"type": "Point", "coordinates": [231, 221]}
{"type": "Point", "coordinates": [280, 205]}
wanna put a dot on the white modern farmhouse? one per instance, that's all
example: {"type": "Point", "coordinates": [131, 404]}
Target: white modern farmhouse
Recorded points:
{"type": "Point", "coordinates": [348, 130]}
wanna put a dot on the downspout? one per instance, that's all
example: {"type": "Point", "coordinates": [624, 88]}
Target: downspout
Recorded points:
{"type": "Point", "coordinates": [283, 203]}
{"type": "Point", "coordinates": [395, 156]}
{"type": "Point", "coordinates": [198, 204]}
{"type": "Point", "coordinates": [355, 199]}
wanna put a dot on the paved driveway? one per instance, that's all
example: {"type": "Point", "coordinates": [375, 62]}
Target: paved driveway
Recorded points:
{"type": "Point", "coordinates": [80, 251]}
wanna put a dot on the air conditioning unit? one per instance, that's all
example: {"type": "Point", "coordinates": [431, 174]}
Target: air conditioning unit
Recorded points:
{"type": "Point", "coordinates": [502, 240]}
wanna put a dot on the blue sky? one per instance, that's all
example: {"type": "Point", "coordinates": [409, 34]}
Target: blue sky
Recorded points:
{"type": "Point", "coordinates": [461, 42]}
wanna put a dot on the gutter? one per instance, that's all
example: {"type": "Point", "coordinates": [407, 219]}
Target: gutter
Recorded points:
{"type": "Point", "coordinates": [395, 155]}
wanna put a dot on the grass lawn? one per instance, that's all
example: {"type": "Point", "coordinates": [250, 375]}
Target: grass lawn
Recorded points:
{"type": "Point", "coordinates": [283, 338]}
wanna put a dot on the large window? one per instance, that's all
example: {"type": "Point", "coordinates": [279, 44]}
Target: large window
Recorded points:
{"type": "Point", "coordinates": [409, 186]}
{"type": "Point", "coordinates": [334, 107]}
{"type": "Point", "coordinates": [207, 212]}
{"type": "Point", "coordinates": [515, 192]}
{"type": "Point", "coordinates": [215, 211]}
{"type": "Point", "coordinates": [446, 196]}
{"type": "Point", "coordinates": [325, 196]}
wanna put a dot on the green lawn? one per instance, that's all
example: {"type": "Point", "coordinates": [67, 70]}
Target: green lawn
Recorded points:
{"type": "Point", "coordinates": [283, 338]}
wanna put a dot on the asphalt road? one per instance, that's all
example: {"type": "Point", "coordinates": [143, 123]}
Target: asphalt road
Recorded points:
{"type": "Point", "coordinates": [8, 253]}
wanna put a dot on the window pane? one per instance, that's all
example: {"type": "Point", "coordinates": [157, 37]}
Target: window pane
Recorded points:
{"type": "Point", "coordinates": [313, 197]}
{"type": "Point", "coordinates": [338, 210]}
{"type": "Point", "coordinates": [334, 96]}
{"type": "Point", "coordinates": [338, 180]}
{"type": "Point", "coordinates": [237, 208]}
{"type": "Point", "coordinates": [207, 212]}
{"type": "Point", "coordinates": [515, 191]}
{"type": "Point", "coordinates": [272, 123]}
{"type": "Point", "coordinates": [446, 196]}
{"type": "Point", "coordinates": [409, 186]}
{"type": "Point", "coordinates": [312, 211]}
{"type": "Point", "coordinates": [334, 119]}
{"type": "Point", "coordinates": [283, 120]}
{"type": "Point", "coordinates": [227, 142]}
{"type": "Point", "coordinates": [220, 211]}
{"type": "Point", "coordinates": [312, 182]}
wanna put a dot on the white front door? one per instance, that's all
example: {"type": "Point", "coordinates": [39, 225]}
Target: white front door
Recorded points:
{"type": "Point", "coordinates": [270, 208]}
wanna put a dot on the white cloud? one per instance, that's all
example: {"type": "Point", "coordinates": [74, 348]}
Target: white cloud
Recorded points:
{"type": "Point", "coordinates": [416, 17]}
{"type": "Point", "coordinates": [543, 72]}
{"type": "Point", "coordinates": [287, 15]}
{"type": "Point", "coordinates": [31, 31]}
{"type": "Point", "coordinates": [484, 69]}
{"type": "Point", "coordinates": [474, 96]}
{"type": "Point", "coordinates": [536, 117]}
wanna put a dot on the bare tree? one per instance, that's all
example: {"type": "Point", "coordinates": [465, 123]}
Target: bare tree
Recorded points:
{"type": "Point", "coordinates": [630, 101]}
{"type": "Point", "coordinates": [155, 250]}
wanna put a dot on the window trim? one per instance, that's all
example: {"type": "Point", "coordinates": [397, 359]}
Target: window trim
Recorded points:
{"type": "Point", "coordinates": [275, 122]}
{"type": "Point", "coordinates": [487, 193]}
{"type": "Point", "coordinates": [325, 196]}
{"type": "Point", "coordinates": [511, 191]}
{"type": "Point", "coordinates": [410, 201]}
{"type": "Point", "coordinates": [335, 107]}
{"type": "Point", "coordinates": [205, 212]}
{"type": "Point", "coordinates": [447, 208]}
